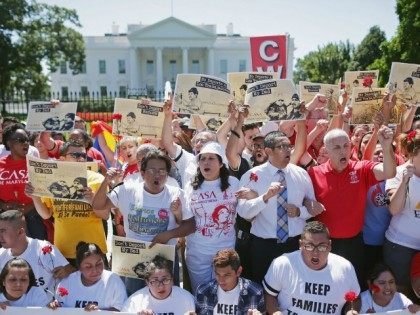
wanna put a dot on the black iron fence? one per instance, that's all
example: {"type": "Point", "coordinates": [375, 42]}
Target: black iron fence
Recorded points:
{"type": "Point", "coordinates": [17, 104]}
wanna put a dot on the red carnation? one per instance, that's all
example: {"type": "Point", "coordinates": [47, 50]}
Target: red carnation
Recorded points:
{"type": "Point", "coordinates": [62, 291]}
{"type": "Point", "coordinates": [46, 249]}
{"type": "Point", "coordinates": [117, 116]}
{"type": "Point", "coordinates": [367, 81]}
{"type": "Point", "coordinates": [374, 288]}
{"type": "Point", "coordinates": [350, 296]}
{"type": "Point", "coordinates": [342, 86]}
{"type": "Point", "coordinates": [253, 177]}
{"type": "Point", "coordinates": [411, 135]}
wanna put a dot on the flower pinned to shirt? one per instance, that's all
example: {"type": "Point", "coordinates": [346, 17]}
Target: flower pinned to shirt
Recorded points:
{"type": "Point", "coordinates": [350, 296]}
{"type": "Point", "coordinates": [62, 292]}
{"type": "Point", "coordinates": [411, 135]}
{"type": "Point", "coordinates": [117, 116]}
{"type": "Point", "coordinates": [367, 81]}
{"type": "Point", "coordinates": [253, 177]}
{"type": "Point", "coordinates": [342, 85]}
{"type": "Point", "coordinates": [374, 288]}
{"type": "Point", "coordinates": [46, 249]}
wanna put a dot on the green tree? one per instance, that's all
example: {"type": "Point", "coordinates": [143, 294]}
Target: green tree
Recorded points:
{"type": "Point", "coordinates": [405, 45]}
{"type": "Point", "coordinates": [32, 34]}
{"type": "Point", "coordinates": [326, 65]}
{"type": "Point", "coordinates": [368, 50]}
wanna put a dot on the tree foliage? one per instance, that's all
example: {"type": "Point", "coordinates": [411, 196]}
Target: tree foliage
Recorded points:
{"type": "Point", "coordinates": [326, 65]}
{"type": "Point", "coordinates": [33, 34]}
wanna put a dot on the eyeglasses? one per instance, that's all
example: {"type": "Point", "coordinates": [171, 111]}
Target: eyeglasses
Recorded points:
{"type": "Point", "coordinates": [77, 155]}
{"type": "Point", "coordinates": [20, 140]}
{"type": "Point", "coordinates": [153, 171]}
{"type": "Point", "coordinates": [258, 146]}
{"type": "Point", "coordinates": [284, 147]}
{"type": "Point", "coordinates": [311, 247]}
{"type": "Point", "coordinates": [157, 282]}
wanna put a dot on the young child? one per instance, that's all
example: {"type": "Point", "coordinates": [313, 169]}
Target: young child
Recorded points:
{"type": "Point", "coordinates": [17, 286]}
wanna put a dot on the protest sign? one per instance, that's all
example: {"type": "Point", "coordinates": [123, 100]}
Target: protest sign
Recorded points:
{"type": "Point", "coordinates": [239, 82]}
{"type": "Point", "coordinates": [274, 100]}
{"type": "Point", "coordinates": [130, 257]}
{"type": "Point", "coordinates": [404, 82]}
{"type": "Point", "coordinates": [269, 54]}
{"type": "Point", "coordinates": [308, 90]}
{"type": "Point", "coordinates": [201, 94]}
{"type": "Point", "coordinates": [92, 166]}
{"type": "Point", "coordinates": [57, 179]}
{"type": "Point", "coordinates": [139, 118]}
{"type": "Point", "coordinates": [211, 123]}
{"type": "Point", "coordinates": [45, 116]}
{"type": "Point", "coordinates": [353, 79]}
{"type": "Point", "coordinates": [366, 102]}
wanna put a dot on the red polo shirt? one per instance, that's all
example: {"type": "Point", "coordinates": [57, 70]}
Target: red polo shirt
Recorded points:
{"type": "Point", "coordinates": [343, 195]}
{"type": "Point", "coordinates": [13, 178]}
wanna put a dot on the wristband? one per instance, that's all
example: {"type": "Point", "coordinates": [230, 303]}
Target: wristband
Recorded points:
{"type": "Point", "coordinates": [233, 132]}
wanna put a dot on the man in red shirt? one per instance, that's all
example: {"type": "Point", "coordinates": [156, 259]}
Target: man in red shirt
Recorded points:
{"type": "Point", "coordinates": [341, 185]}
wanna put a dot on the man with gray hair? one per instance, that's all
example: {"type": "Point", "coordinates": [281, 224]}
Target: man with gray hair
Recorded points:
{"type": "Point", "coordinates": [341, 185]}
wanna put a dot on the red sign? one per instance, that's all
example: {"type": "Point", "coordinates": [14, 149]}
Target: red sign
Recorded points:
{"type": "Point", "coordinates": [269, 54]}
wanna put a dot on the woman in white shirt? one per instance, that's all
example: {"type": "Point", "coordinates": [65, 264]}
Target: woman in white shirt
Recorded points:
{"type": "Point", "coordinates": [91, 287]}
{"type": "Point", "coordinates": [160, 296]}
{"type": "Point", "coordinates": [212, 200]}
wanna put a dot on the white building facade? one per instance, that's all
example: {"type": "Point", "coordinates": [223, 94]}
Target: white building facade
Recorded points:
{"type": "Point", "coordinates": [146, 57]}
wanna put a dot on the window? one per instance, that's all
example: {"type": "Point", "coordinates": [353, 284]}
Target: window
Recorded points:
{"type": "Point", "coordinates": [195, 67]}
{"type": "Point", "coordinates": [83, 69]}
{"type": "Point", "coordinates": [63, 67]}
{"type": "Point", "coordinates": [242, 65]}
{"type": "Point", "coordinates": [121, 66]}
{"type": "Point", "coordinates": [223, 66]}
{"type": "Point", "coordinates": [150, 68]}
{"type": "Point", "coordinates": [84, 91]}
{"type": "Point", "coordinates": [123, 91]}
{"type": "Point", "coordinates": [64, 92]}
{"type": "Point", "coordinates": [104, 91]}
{"type": "Point", "coordinates": [173, 70]}
{"type": "Point", "coordinates": [102, 66]}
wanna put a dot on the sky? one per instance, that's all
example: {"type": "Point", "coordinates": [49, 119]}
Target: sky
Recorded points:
{"type": "Point", "coordinates": [311, 23]}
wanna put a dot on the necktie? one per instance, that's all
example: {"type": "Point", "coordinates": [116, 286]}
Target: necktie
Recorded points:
{"type": "Point", "coordinates": [282, 228]}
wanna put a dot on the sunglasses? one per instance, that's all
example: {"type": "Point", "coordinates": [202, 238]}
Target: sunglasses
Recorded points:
{"type": "Point", "coordinates": [20, 140]}
{"type": "Point", "coordinates": [77, 155]}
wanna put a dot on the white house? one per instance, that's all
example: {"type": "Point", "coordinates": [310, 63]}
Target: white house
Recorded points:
{"type": "Point", "coordinates": [147, 56]}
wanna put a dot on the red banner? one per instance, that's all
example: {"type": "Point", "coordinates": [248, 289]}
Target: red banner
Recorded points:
{"type": "Point", "coordinates": [269, 54]}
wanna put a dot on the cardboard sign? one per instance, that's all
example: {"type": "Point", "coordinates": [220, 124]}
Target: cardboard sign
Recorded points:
{"type": "Point", "coordinates": [45, 116]}
{"type": "Point", "coordinates": [269, 54]}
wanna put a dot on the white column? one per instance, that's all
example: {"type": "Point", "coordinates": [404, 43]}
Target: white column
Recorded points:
{"type": "Point", "coordinates": [184, 60]}
{"type": "Point", "coordinates": [210, 61]}
{"type": "Point", "coordinates": [134, 68]}
{"type": "Point", "coordinates": [159, 70]}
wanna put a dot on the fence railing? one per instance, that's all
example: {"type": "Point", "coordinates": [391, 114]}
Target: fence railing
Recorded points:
{"type": "Point", "coordinates": [17, 104]}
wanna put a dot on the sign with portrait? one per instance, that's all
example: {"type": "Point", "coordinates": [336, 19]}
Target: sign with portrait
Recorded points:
{"type": "Point", "coordinates": [274, 100]}
{"type": "Point", "coordinates": [201, 94]}
{"type": "Point", "coordinates": [354, 79]}
{"type": "Point", "coordinates": [269, 54]}
{"type": "Point", "coordinates": [404, 82]}
{"type": "Point", "coordinates": [366, 102]}
{"type": "Point", "coordinates": [57, 179]}
{"type": "Point", "coordinates": [308, 90]}
{"type": "Point", "coordinates": [45, 116]}
{"type": "Point", "coordinates": [139, 118]}
{"type": "Point", "coordinates": [130, 257]}
{"type": "Point", "coordinates": [239, 82]}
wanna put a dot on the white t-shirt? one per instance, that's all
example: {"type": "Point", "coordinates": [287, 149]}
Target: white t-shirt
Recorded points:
{"type": "Point", "coordinates": [177, 303]}
{"type": "Point", "coordinates": [136, 177]}
{"type": "Point", "coordinates": [214, 212]}
{"type": "Point", "coordinates": [302, 290]}
{"type": "Point", "coordinates": [146, 215]}
{"type": "Point", "coordinates": [398, 302]}
{"type": "Point", "coordinates": [404, 228]}
{"type": "Point", "coordinates": [187, 165]}
{"type": "Point", "coordinates": [32, 151]}
{"type": "Point", "coordinates": [227, 302]}
{"type": "Point", "coordinates": [35, 297]}
{"type": "Point", "coordinates": [42, 264]}
{"type": "Point", "coordinates": [108, 292]}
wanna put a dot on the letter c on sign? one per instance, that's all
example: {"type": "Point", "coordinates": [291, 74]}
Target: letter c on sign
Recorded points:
{"type": "Point", "coordinates": [263, 48]}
